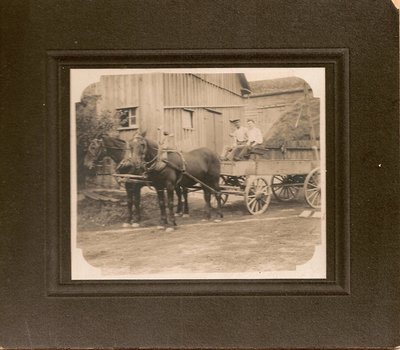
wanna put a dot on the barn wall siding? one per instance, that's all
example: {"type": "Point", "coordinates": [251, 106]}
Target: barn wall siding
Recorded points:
{"type": "Point", "coordinates": [201, 135]}
{"type": "Point", "coordinates": [151, 106]}
{"type": "Point", "coordinates": [199, 93]}
{"type": "Point", "coordinates": [191, 91]}
{"type": "Point", "coordinates": [119, 91]}
{"type": "Point", "coordinates": [161, 97]}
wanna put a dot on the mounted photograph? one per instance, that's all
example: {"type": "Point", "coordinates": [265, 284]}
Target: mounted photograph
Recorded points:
{"type": "Point", "coordinates": [203, 173]}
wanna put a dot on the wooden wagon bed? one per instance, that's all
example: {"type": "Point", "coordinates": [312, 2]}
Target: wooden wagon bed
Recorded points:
{"type": "Point", "coordinates": [264, 167]}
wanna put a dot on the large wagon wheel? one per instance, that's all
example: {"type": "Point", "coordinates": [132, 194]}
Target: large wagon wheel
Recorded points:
{"type": "Point", "coordinates": [312, 188]}
{"type": "Point", "coordinates": [284, 187]}
{"type": "Point", "coordinates": [224, 197]}
{"type": "Point", "coordinates": [257, 195]}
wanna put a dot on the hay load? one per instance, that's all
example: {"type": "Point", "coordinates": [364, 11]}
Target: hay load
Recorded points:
{"type": "Point", "coordinates": [291, 109]}
{"type": "Point", "coordinates": [294, 127]}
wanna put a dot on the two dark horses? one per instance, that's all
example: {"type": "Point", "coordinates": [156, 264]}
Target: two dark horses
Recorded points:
{"type": "Point", "coordinates": [180, 171]}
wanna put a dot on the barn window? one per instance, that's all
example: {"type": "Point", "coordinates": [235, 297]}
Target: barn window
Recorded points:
{"type": "Point", "coordinates": [187, 118]}
{"type": "Point", "coordinates": [128, 117]}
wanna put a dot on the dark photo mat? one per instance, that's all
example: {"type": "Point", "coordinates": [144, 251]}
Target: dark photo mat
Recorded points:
{"type": "Point", "coordinates": [356, 307]}
{"type": "Point", "coordinates": [335, 63]}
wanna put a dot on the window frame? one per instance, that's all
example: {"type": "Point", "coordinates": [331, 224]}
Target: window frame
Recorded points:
{"type": "Point", "coordinates": [130, 109]}
{"type": "Point", "coordinates": [191, 113]}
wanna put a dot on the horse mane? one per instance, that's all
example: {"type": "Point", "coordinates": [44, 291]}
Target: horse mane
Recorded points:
{"type": "Point", "coordinates": [114, 142]}
{"type": "Point", "coordinates": [152, 144]}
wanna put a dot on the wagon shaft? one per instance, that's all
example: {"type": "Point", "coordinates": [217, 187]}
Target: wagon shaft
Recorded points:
{"type": "Point", "coordinates": [128, 178]}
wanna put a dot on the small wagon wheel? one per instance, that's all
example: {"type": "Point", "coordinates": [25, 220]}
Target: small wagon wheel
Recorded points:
{"type": "Point", "coordinates": [312, 188]}
{"type": "Point", "coordinates": [257, 195]}
{"type": "Point", "coordinates": [224, 197]}
{"type": "Point", "coordinates": [284, 187]}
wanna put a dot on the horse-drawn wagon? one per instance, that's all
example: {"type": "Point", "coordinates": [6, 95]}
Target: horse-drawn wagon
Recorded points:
{"type": "Point", "coordinates": [257, 180]}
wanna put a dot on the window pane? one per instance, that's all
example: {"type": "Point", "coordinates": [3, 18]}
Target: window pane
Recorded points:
{"type": "Point", "coordinates": [124, 117]}
{"type": "Point", "coordinates": [187, 120]}
{"type": "Point", "coordinates": [132, 120]}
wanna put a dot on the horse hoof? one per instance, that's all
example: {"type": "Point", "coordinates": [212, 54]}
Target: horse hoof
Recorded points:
{"type": "Point", "coordinates": [169, 229]}
{"type": "Point", "coordinates": [135, 225]}
{"type": "Point", "coordinates": [217, 220]}
{"type": "Point", "coordinates": [160, 227]}
{"type": "Point", "coordinates": [185, 216]}
{"type": "Point", "coordinates": [125, 224]}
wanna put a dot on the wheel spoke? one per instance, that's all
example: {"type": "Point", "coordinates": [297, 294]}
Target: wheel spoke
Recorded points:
{"type": "Point", "coordinates": [256, 207]}
{"type": "Point", "coordinates": [317, 200]}
{"type": "Point", "coordinates": [252, 201]}
{"type": "Point", "coordinates": [286, 193]}
{"type": "Point", "coordinates": [312, 196]}
{"type": "Point", "coordinates": [253, 205]}
{"type": "Point", "coordinates": [279, 192]}
{"type": "Point", "coordinates": [314, 185]}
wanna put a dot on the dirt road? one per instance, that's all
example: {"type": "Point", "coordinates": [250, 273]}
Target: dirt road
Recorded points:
{"type": "Point", "coordinates": [278, 240]}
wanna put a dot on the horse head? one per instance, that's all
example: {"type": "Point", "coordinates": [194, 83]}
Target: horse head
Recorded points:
{"type": "Point", "coordinates": [143, 151]}
{"type": "Point", "coordinates": [95, 153]}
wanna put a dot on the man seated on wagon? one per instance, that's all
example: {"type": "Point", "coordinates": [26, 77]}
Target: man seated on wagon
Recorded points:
{"type": "Point", "coordinates": [255, 139]}
{"type": "Point", "coordinates": [239, 140]}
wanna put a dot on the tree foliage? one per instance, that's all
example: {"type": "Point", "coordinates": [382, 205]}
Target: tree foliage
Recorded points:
{"type": "Point", "coordinates": [89, 125]}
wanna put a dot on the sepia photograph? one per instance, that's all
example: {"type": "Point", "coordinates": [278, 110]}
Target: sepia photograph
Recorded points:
{"type": "Point", "coordinates": [203, 173]}
{"type": "Point", "coordinates": [200, 174]}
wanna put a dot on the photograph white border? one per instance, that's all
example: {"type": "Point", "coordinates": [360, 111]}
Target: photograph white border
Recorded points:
{"type": "Point", "coordinates": [315, 268]}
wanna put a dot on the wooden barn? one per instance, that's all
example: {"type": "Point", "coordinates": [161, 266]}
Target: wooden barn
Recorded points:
{"type": "Point", "coordinates": [195, 108]}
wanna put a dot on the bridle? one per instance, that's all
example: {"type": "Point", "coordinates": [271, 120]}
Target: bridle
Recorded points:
{"type": "Point", "coordinates": [95, 153]}
{"type": "Point", "coordinates": [146, 165]}
{"type": "Point", "coordinates": [100, 148]}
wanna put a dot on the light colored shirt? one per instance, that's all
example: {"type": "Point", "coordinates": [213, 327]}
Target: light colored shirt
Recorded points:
{"type": "Point", "coordinates": [255, 136]}
{"type": "Point", "coordinates": [239, 135]}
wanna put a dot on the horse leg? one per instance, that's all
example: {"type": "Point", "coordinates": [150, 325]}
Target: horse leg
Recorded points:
{"type": "Point", "coordinates": [161, 203]}
{"type": "Point", "coordinates": [170, 196]}
{"type": "Point", "coordinates": [178, 191]}
{"type": "Point", "coordinates": [207, 207]}
{"type": "Point", "coordinates": [186, 203]}
{"type": "Point", "coordinates": [219, 200]}
{"type": "Point", "coordinates": [129, 197]}
{"type": "Point", "coordinates": [136, 200]}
